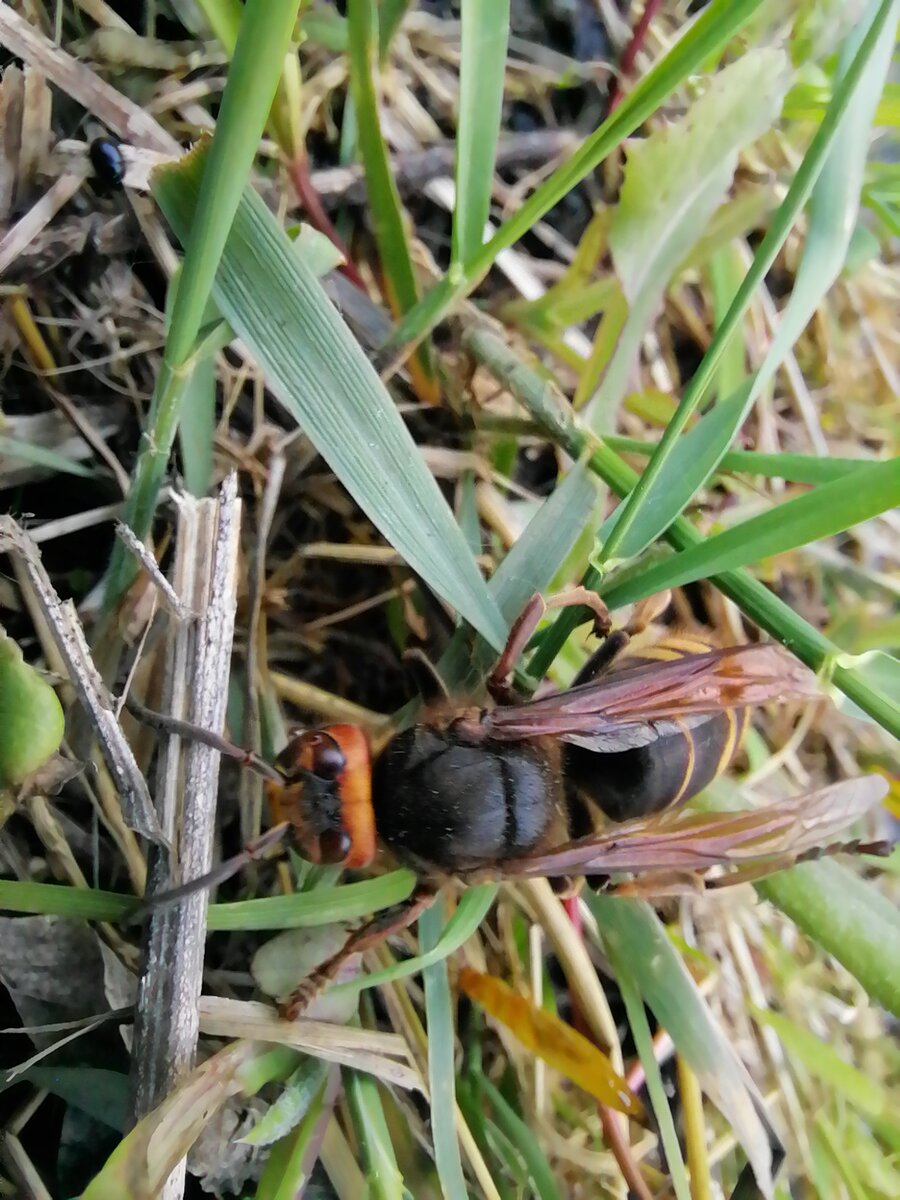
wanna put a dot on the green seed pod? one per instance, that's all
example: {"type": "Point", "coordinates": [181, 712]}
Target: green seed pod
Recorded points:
{"type": "Point", "coordinates": [31, 717]}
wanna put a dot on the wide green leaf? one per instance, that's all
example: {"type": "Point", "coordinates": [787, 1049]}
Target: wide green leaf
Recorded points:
{"type": "Point", "coordinates": [318, 372]}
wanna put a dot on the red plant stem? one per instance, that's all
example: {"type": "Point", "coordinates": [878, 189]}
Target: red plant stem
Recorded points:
{"type": "Point", "coordinates": [629, 54]}
{"type": "Point", "coordinates": [298, 169]}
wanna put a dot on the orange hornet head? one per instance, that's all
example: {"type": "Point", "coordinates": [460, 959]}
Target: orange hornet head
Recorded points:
{"type": "Point", "coordinates": [327, 795]}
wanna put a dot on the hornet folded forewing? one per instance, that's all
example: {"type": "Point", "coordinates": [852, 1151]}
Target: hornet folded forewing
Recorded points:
{"type": "Point", "coordinates": [633, 704]}
{"type": "Point", "coordinates": [696, 842]}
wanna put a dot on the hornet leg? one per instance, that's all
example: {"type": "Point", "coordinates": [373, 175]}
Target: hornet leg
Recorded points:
{"type": "Point", "coordinates": [368, 935]}
{"type": "Point", "coordinates": [526, 623]}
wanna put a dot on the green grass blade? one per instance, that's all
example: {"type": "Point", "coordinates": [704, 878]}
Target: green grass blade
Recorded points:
{"type": "Point", "coordinates": [196, 430]}
{"type": "Point", "coordinates": [386, 207]}
{"type": "Point", "coordinates": [441, 1064]}
{"type": "Point", "coordinates": [324, 906]}
{"type": "Point", "coordinates": [724, 271]}
{"type": "Point", "coordinates": [471, 911]}
{"type": "Point", "coordinates": [705, 38]}
{"type": "Point", "coordinates": [643, 1040]}
{"type": "Point", "coordinates": [265, 35]}
{"type": "Point", "coordinates": [385, 1182]}
{"type": "Point", "coordinates": [522, 1138]}
{"type": "Point", "coordinates": [848, 918]}
{"type": "Point", "coordinates": [855, 1086]}
{"type": "Point", "coordinates": [641, 952]}
{"type": "Point", "coordinates": [694, 456]}
{"type": "Point", "coordinates": [682, 488]}
{"type": "Point", "coordinates": [820, 513]}
{"type": "Point", "coordinates": [40, 456]}
{"type": "Point", "coordinates": [834, 205]}
{"type": "Point", "coordinates": [751, 596]}
{"type": "Point", "coordinates": [53, 899]}
{"type": "Point", "coordinates": [485, 33]}
{"type": "Point", "coordinates": [794, 468]}
{"type": "Point", "coordinates": [384, 199]}
{"type": "Point", "coordinates": [390, 16]}
{"type": "Point", "coordinates": [529, 567]}
{"type": "Point", "coordinates": [319, 373]}
{"type": "Point", "coordinates": [319, 906]}
{"type": "Point", "coordinates": [675, 179]}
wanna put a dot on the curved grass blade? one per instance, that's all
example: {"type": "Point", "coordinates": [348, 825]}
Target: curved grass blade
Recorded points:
{"type": "Point", "coordinates": [319, 373]}
{"type": "Point", "coordinates": [346, 902]}
{"type": "Point", "coordinates": [471, 911]}
{"type": "Point", "coordinates": [820, 513]}
{"type": "Point", "coordinates": [641, 952]}
{"type": "Point", "coordinates": [848, 918]}
{"type": "Point", "coordinates": [682, 487]}
{"type": "Point", "coordinates": [485, 33]}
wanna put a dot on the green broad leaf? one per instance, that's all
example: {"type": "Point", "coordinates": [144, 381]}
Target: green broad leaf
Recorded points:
{"type": "Point", "coordinates": [32, 722]}
{"type": "Point", "coordinates": [317, 370]}
{"type": "Point", "coordinates": [485, 33]}
{"type": "Point", "coordinates": [820, 513]}
{"type": "Point", "coordinates": [637, 943]}
{"type": "Point", "coordinates": [675, 179]}
{"type": "Point", "coordinates": [858, 1089]}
